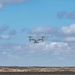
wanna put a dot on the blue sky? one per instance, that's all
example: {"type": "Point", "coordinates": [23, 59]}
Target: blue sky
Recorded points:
{"type": "Point", "coordinates": [53, 19]}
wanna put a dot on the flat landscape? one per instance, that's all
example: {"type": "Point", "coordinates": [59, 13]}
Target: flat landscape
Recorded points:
{"type": "Point", "coordinates": [36, 69]}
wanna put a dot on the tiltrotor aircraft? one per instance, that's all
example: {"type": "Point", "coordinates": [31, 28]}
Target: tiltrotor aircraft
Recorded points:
{"type": "Point", "coordinates": [36, 40]}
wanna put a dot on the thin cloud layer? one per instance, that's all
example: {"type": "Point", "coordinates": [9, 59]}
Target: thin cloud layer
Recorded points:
{"type": "Point", "coordinates": [54, 47]}
{"type": "Point", "coordinates": [1, 6]}
{"type": "Point", "coordinates": [65, 14]}
{"type": "Point", "coordinates": [41, 31]}
{"type": "Point", "coordinates": [62, 14]}
{"type": "Point", "coordinates": [4, 35]}
{"type": "Point", "coordinates": [3, 28]}
{"type": "Point", "coordinates": [3, 2]}
{"type": "Point", "coordinates": [70, 39]}
{"type": "Point", "coordinates": [12, 32]}
{"type": "Point", "coordinates": [68, 30]}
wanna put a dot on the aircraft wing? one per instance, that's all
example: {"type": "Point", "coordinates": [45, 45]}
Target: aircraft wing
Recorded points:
{"type": "Point", "coordinates": [39, 39]}
{"type": "Point", "coordinates": [32, 39]}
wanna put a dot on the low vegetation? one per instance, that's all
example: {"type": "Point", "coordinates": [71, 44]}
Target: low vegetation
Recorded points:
{"type": "Point", "coordinates": [37, 69]}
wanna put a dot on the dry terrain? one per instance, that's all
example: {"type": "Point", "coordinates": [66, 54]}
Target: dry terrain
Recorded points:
{"type": "Point", "coordinates": [36, 69]}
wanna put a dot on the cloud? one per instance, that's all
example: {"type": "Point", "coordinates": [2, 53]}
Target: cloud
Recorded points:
{"type": "Point", "coordinates": [58, 45]}
{"type": "Point", "coordinates": [3, 28]}
{"type": "Point", "coordinates": [41, 31]}
{"type": "Point", "coordinates": [53, 47]}
{"type": "Point", "coordinates": [61, 58]}
{"type": "Point", "coordinates": [1, 6]}
{"type": "Point", "coordinates": [68, 30]}
{"type": "Point", "coordinates": [4, 37]}
{"type": "Point", "coordinates": [24, 30]}
{"type": "Point", "coordinates": [3, 2]}
{"type": "Point", "coordinates": [65, 33]}
{"type": "Point", "coordinates": [62, 14]}
{"type": "Point", "coordinates": [65, 14]}
{"type": "Point", "coordinates": [72, 39]}
{"type": "Point", "coordinates": [12, 32]}
{"type": "Point", "coordinates": [71, 15]}
{"type": "Point", "coordinates": [68, 33]}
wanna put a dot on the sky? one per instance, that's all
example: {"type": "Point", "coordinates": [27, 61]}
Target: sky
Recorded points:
{"type": "Point", "coordinates": [53, 19]}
